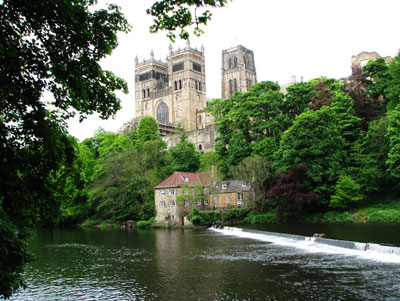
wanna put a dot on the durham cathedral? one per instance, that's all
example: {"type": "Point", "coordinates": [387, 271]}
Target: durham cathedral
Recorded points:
{"type": "Point", "coordinates": [174, 92]}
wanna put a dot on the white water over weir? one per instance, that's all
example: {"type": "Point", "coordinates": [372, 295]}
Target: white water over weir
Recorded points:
{"type": "Point", "coordinates": [317, 244]}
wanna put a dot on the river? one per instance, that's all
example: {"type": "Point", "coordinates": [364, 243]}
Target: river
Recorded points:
{"type": "Point", "coordinates": [213, 264]}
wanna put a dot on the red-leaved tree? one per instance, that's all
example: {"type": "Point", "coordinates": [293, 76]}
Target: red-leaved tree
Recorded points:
{"type": "Point", "coordinates": [288, 192]}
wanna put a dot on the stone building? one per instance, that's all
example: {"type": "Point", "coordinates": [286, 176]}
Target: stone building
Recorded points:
{"type": "Point", "coordinates": [238, 70]}
{"type": "Point", "coordinates": [361, 59]}
{"type": "Point", "coordinates": [176, 196]}
{"type": "Point", "coordinates": [231, 194]}
{"type": "Point", "coordinates": [180, 193]}
{"type": "Point", "coordinates": [174, 92]}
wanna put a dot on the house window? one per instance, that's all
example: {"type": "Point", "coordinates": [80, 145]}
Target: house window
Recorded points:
{"type": "Point", "coordinates": [240, 196]}
{"type": "Point", "coordinates": [171, 192]}
{"type": "Point", "coordinates": [224, 186]}
{"type": "Point", "coordinates": [240, 204]}
{"type": "Point", "coordinates": [162, 203]}
{"type": "Point", "coordinates": [187, 203]}
{"type": "Point", "coordinates": [206, 202]}
{"type": "Point", "coordinates": [172, 217]}
{"type": "Point", "coordinates": [216, 198]}
{"type": "Point", "coordinates": [227, 197]}
{"type": "Point", "coordinates": [172, 203]}
{"type": "Point", "coordinates": [185, 191]}
{"type": "Point", "coordinates": [200, 147]}
{"type": "Point", "coordinates": [221, 208]}
{"type": "Point", "coordinates": [162, 192]}
{"type": "Point", "coordinates": [198, 203]}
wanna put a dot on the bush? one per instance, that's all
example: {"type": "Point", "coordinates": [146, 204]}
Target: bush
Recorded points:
{"type": "Point", "coordinates": [90, 223]}
{"type": "Point", "coordinates": [145, 224]}
{"type": "Point", "coordinates": [268, 217]}
{"type": "Point", "coordinates": [347, 193]}
{"type": "Point", "coordinates": [204, 218]}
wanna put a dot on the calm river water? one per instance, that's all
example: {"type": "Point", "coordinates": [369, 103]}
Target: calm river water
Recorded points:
{"type": "Point", "coordinates": [113, 264]}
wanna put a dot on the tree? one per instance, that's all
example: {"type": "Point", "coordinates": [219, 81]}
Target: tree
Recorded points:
{"type": "Point", "coordinates": [43, 50]}
{"type": "Point", "coordinates": [257, 171]}
{"type": "Point", "coordinates": [245, 120]}
{"type": "Point", "coordinates": [183, 157]}
{"type": "Point", "coordinates": [147, 130]}
{"type": "Point", "coordinates": [393, 132]}
{"type": "Point", "coordinates": [393, 90]}
{"type": "Point", "coordinates": [171, 15]}
{"type": "Point", "coordinates": [289, 191]}
{"type": "Point", "coordinates": [314, 139]}
{"type": "Point", "coordinates": [347, 193]}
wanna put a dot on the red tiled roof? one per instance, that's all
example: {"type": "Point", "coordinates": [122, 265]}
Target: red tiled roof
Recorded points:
{"type": "Point", "coordinates": [178, 179]}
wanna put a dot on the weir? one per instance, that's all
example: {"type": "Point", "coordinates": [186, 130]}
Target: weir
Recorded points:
{"type": "Point", "coordinates": [375, 251]}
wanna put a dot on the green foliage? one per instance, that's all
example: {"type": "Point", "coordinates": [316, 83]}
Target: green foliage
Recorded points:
{"type": "Point", "coordinates": [145, 224]}
{"type": "Point", "coordinates": [207, 160]}
{"type": "Point", "coordinates": [171, 15]}
{"type": "Point", "coordinates": [236, 214]}
{"type": "Point", "coordinates": [183, 157]}
{"type": "Point", "coordinates": [335, 217]}
{"type": "Point", "coordinates": [14, 254]}
{"type": "Point", "coordinates": [90, 223]}
{"type": "Point", "coordinates": [264, 218]}
{"type": "Point", "coordinates": [204, 218]}
{"type": "Point", "coordinates": [393, 133]}
{"type": "Point", "coordinates": [347, 193]}
{"type": "Point", "coordinates": [147, 130]}
{"type": "Point", "coordinates": [245, 119]}
{"type": "Point", "coordinates": [314, 139]}
{"type": "Point", "coordinates": [393, 90]}
{"type": "Point", "coordinates": [265, 147]}
{"type": "Point", "coordinates": [257, 171]}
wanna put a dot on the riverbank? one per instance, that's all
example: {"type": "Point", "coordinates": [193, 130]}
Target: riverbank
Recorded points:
{"type": "Point", "coordinates": [385, 212]}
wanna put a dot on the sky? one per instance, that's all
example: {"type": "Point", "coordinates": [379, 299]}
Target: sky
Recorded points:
{"type": "Point", "coordinates": [308, 38]}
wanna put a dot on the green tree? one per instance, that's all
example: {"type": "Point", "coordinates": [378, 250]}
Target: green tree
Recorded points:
{"type": "Point", "coordinates": [147, 130]}
{"type": "Point", "coordinates": [393, 90]}
{"type": "Point", "coordinates": [393, 132]}
{"type": "Point", "coordinates": [171, 15]}
{"type": "Point", "coordinates": [314, 139]}
{"type": "Point", "coordinates": [183, 157]}
{"type": "Point", "coordinates": [245, 120]}
{"type": "Point", "coordinates": [257, 171]}
{"type": "Point", "coordinates": [347, 193]}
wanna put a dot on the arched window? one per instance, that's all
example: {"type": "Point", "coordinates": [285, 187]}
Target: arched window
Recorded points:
{"type": "Point", "coordinates": [235, 62]}
{"type": "Point", "coordinates": [235, 84]}
{"type": "Point", "coordinates": [230, 87]}
{"type": "Point", "coordinates": [230, 63]}
{"type": "Point", "coordinates": [162, 113]}
{"type": "Point", "coordinates": [148, 92]}
{"type": "Point", "coordinates": [176, 85]}
{"type": "Point", "coordinates": [144, 93]}
{"type": "Point", "coordinates": [199, 86]}
{"type": "Point", "coordinates": [200, 119]}
{"type": "Point", "coordinates": [200, 147]}
{"type": "Point", "coordinates": [180, 85]}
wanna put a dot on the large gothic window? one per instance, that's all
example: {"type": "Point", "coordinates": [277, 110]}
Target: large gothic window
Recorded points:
{"type": "Point", "coordinates": [235, 62]}
{"type": "Point", "coordinates": [162, 113]}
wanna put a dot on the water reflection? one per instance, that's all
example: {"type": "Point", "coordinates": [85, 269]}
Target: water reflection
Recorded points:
{"type": "Point", "coordinates": [94, 264]}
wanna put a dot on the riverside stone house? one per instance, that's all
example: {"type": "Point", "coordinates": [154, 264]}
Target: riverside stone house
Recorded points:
{"type": "Point", "coordinates": [180, 193]}
{"type": "Point", "coordinates": [231, 194]}
{"type": "Point", "coordinates": [176, 196]}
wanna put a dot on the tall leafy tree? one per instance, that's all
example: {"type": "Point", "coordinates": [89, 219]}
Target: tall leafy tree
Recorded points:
{"type": "Point", "coordinates": [257, 171]}
{"type": "Point", "coordinates": [393, 132]}
{"type": "Point", "coordinates": [314, 139]}
{"type": "Point", "coordinates": [246, 119]}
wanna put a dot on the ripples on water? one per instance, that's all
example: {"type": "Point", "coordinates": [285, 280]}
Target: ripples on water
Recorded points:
{"type": "Point", "coordinates": [196, 265]}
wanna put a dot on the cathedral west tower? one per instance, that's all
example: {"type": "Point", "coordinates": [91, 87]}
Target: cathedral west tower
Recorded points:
{"type": "Point", "coordinates": [174, 91]}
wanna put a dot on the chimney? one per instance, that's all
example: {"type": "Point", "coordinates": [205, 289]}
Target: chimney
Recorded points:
{"type": "Point", "coordinates": [214, 173]}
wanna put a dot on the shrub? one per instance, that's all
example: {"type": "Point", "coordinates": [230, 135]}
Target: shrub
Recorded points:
{"type": "Point", "coordinates": [347, 193]}
{"type": "Point", "coordinates": [145, 224]}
